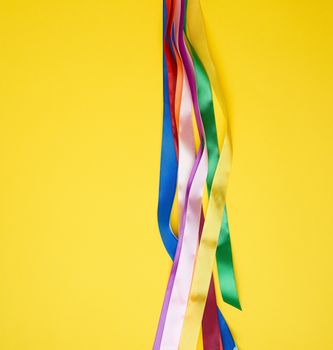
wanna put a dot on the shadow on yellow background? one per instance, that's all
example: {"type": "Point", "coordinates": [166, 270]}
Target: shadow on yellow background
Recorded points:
{"type": "Point", "coordinates": [81, 262]}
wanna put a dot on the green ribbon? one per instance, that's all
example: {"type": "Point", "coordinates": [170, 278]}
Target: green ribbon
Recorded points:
{"type": "Point", "coordinates": [225, 266]}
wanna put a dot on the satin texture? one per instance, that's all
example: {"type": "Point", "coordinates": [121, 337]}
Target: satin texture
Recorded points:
{"type": "Point", "coordinates": [210, 325]}
{"type": "Point", "coordinates": [164, 216]}
{"type": "Point", "coordinates": [186, 161]}
{"type": "Point", "coordinates": [189, 231]}
{"type": "Point", "coordinates": [168, 166]}
{"type": "Point", "coordinates": [224, 253]}
{"type": "Point", "coordinates": [209, 240]}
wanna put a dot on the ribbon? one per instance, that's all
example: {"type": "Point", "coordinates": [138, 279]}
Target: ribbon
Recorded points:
{"type": "Point", "coordinates": [180, 277]}
{"type": "Point", "coordinates": [168, 165]}
{"type": "Point", "coordinates": [167, 183]}
{"type": "Point", "coordinates": [223, 252]}
{"type": "Point", "coordinates": [206, 252]}
{"type": "Point", "coordinates": [185, 108]}
{"type": "Point", "coordinates": [216, 205]}
{"type": "Point", "coordinates": [207, 113]}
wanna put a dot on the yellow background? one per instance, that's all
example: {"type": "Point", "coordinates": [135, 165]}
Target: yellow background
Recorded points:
{"type": "Point", "coordinates": [81, 262]}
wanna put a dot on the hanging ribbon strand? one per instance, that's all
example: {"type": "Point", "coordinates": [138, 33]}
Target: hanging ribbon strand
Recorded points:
{"type": "Point", "coordinates": [186, 85]}
{"type": "Point", "coordinates": [223, 253]}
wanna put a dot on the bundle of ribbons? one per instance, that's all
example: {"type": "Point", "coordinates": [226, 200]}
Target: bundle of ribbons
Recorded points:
{"type": "Point", "coordinates": [192, 163]}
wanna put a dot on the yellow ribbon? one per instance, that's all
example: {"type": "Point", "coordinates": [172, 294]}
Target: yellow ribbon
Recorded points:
{"type": "Point", "coordinates": [209, 239]}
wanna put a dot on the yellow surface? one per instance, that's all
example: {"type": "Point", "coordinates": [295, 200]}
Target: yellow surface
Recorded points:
{"type": "Point", "coordinates": [81, 262]}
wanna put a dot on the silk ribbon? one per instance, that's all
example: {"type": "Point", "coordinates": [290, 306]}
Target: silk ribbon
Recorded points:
{"type": "Point", "coordinates": [216, 205]}
{"type": "Point", "coordinates": [168, 176]}
{"type": "Point", "coordinates": [223, 252]}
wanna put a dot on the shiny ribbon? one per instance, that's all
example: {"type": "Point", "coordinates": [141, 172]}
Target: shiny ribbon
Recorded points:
{"type": "Point", "coordinates": [186, 111]}
{"type": "Point", "coordinates": [181, 273]}
{"type": "Point", "coordinates": [168, 175]}
{"type": "Point", "coordinates": [223, 252]}
{"type": "Point", "coordinates": [210, 325]}
{"type": "Point", "coordinates": [216, 205]}
{"type": "Point", "coordinates": [168, 162]}
{"type": "Point", "coordinates": [168, 184]}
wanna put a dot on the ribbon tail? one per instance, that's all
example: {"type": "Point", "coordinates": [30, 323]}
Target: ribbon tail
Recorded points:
{"type": "Point", "coordinates": [225, 265]}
